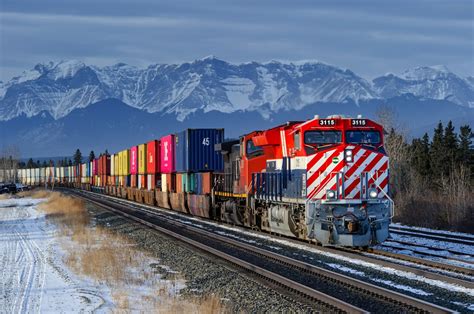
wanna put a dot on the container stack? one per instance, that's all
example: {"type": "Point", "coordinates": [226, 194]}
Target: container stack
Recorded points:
{"type": "Point", "coordinates": [133, 166]}
{"type": "Point", "coordinates": [196, 159]}
{"type": "Point", "coordinates": [153, 161]}
{"type": "Point", "coordinates": [142, 166]}
{"type": "Point", "coordinates": [167, 155]}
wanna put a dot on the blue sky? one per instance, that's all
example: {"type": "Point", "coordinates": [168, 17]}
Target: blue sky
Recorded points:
{"type": "Point", "coordinates": [369, 37]}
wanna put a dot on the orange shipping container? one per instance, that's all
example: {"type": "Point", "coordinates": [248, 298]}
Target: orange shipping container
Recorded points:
{"type": "Point", "coordinates": [133, 180]}
{"type": "Point", "coordinates": [179, 183]}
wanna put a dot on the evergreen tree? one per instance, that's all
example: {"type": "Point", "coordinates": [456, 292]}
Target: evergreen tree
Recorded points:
{"type": "Point", "coordinates": [437, 152]}
{"type": "Point", "coordinates": [44, 164]}
{"type": "Point", "coordinates": [69, 162]}
{"type": "Point", "coordinates": [30, 163]}
{"type": "Point", "coordinates": [91, 156]}
{"type": "Point", "coordinates": [450, 146]}
{"type": "Point", "coordinates": [37, 164]}
{"type": "Point", "coordinates": [465, 142]}
{"type": "Point", "coordinates": [77, 157]}
{"type": "Point", "coordinates": [421, 155]}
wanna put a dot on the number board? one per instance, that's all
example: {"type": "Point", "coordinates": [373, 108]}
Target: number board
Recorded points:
{"type": "Point", "coordinates": [327, 122]}
{"type": "Point", "coordinates": [358, 122]}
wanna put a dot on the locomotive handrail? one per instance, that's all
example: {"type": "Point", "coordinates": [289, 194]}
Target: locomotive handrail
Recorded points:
{"type": "Point", "coordinates": [392, 203]}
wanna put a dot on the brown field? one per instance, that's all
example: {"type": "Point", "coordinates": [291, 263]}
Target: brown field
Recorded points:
{"type": "Point", "coordinates": [113, 259]}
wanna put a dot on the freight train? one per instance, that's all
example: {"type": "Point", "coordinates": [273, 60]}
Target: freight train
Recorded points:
{"type": "Point", "coordinates": [323, 180]}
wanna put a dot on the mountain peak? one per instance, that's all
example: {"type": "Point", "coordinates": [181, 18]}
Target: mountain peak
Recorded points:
{"type": "Point", "coordinates": [211, 84]}
{"type": "Point", "coordinates": [426, 72]}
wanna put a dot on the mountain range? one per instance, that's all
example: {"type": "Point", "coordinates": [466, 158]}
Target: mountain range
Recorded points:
{"type": "Point", "coordinates": [64, 104]}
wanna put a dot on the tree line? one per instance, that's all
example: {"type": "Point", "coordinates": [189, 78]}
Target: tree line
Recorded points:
{"type": "Point", "coordinates": [431, 177]}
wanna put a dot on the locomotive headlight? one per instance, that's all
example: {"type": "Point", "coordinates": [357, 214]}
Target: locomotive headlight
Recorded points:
{"type": "Point", "coordinates": [348, 156]}
{"type": "Point", "coordinates": [373, 193]}
{"type": "Point", "coordinates": [330, 194]}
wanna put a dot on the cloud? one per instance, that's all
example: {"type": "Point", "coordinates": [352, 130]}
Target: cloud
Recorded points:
{"type": "Point", "coordinates": [350, 34]}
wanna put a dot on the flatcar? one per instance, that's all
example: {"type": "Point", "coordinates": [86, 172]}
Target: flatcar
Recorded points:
{"type": "Point", "coordinates": [324, 180]}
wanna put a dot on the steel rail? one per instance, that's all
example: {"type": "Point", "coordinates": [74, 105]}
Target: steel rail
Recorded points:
{"type": "Point", "coordinates": [353, 252]}
{"type": "Point", "coordinates": [459, 239]}
{"type": "Point", "coordinates": [315, 295]}
{"type": "Point", "coordinates": [382, 293]}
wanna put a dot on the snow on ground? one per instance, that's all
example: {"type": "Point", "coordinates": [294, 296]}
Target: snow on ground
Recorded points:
{"type": "Point", "coordinates": [440, 232]}
{"type": "Point", "coordinates": [45, 268]}
{"type": "Point", "coordinates": [416, 248]}
{"type": "Point", "coordinates": [32, 279]}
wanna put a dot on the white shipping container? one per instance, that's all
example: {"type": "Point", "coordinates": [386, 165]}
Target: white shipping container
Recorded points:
{"type": "Point", "coordinates": [164, 186]}
{"type": "Point", "coordinates": [112, 164]}
{"type": "Point", "coordinates": [149, 181]}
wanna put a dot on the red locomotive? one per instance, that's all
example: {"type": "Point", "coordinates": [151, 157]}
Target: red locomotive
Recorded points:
{"type": "Point", "coordinates": [321, 179]}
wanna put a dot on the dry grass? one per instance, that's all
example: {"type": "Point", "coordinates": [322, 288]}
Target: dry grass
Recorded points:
{"type": "Point", "coordinates": [4, 196]}
{"type": "Point", "coordinates": [132, 274]}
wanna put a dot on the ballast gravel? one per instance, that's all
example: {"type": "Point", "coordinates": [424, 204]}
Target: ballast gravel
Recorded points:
{"type": "Point", "coordinates": [204, 274]}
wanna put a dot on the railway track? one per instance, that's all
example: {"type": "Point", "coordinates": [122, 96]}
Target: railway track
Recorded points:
{"type": "Point", "coordinates": [336, 291]}
{"type": "Point", "coordinates": [419, 249]}
{"type": "Point", "coordinates": [451, 238]}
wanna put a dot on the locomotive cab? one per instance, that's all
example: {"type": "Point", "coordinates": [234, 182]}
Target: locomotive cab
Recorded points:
{"type": "Point", "coordinates": [347, 182]}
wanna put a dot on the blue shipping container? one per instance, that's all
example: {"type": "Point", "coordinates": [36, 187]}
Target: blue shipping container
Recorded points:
{"type": "Point", "coordinates": [194, 150]}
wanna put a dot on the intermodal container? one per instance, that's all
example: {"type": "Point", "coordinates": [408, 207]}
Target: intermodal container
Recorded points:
{"type": "Point", "coordinates": [116, 165]}
{"type": "Point", "coordinates": [126, 162]}
{"type": "Point", "coordinates": [164, 185]}
{"type": "Point", "coordinates": [134, 160]}
{"type": "Point", "coordinates": [142, 159]}
{"type": "Point", "coordinates": [151, 181]}
{"type": "Point", "coordinates": [95, 167]}
{"type": "Point", "coordinates": [179, 183]}
{"type": "Point", "coordinates": [188, 182]}
{"type": "Point", "coordinates": [112, 164]}
{"type": "Point", "coordinates": [194, 150]}
{"type": "Point", "coordinates": [153, 157]}
{"type": "Point", "coordinates": [107, 166]}
{"type": "Point", "coordinates": [167, 154]}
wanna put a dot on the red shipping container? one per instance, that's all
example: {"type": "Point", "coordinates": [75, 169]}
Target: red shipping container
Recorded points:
{"type": "Point", "coordinates": [95, 167]}
{"type": "Point", "coordinates": [99, 170]}
{"type": "Point", "coordinates": [153, 157]}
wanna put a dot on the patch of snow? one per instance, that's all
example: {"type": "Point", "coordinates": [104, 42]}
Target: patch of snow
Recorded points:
{"type": "Point", "coordinates": [31, 278]}
{"type": "Point", "coordinates": [345, 269]}
{"type": "Point", "coordinates": [440, 232]}
{"type": "Point", "coordinates": [401, 287]}
{"type": "Point", "coordinates": [238, 91]}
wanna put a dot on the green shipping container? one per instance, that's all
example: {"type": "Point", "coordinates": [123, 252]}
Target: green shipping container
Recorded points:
{"type": "Point", "coordinates": [188, 182]}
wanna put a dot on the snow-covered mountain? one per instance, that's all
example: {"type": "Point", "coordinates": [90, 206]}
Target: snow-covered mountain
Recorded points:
{"type": "Point", "coordinates": [433, 82]}
{"type": "Point", "coordinates": [211, 84]}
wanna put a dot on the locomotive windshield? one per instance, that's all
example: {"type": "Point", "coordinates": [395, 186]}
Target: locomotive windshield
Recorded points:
{"type": "Point", "coordinates": [322, 137]}
{"type": "Point", "coordinates": [363, 137]}
{"type": "Point", "coordinates": [253, 150]}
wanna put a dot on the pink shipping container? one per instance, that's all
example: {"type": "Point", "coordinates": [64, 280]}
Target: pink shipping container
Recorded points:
{"type": "Point", "coordinates": [134, 160]}
{"type": "Point", "coordinates": [167, 154]}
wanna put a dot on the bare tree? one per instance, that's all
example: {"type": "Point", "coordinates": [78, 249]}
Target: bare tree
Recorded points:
{"type": "Point", "coordinates": [9, 159]}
